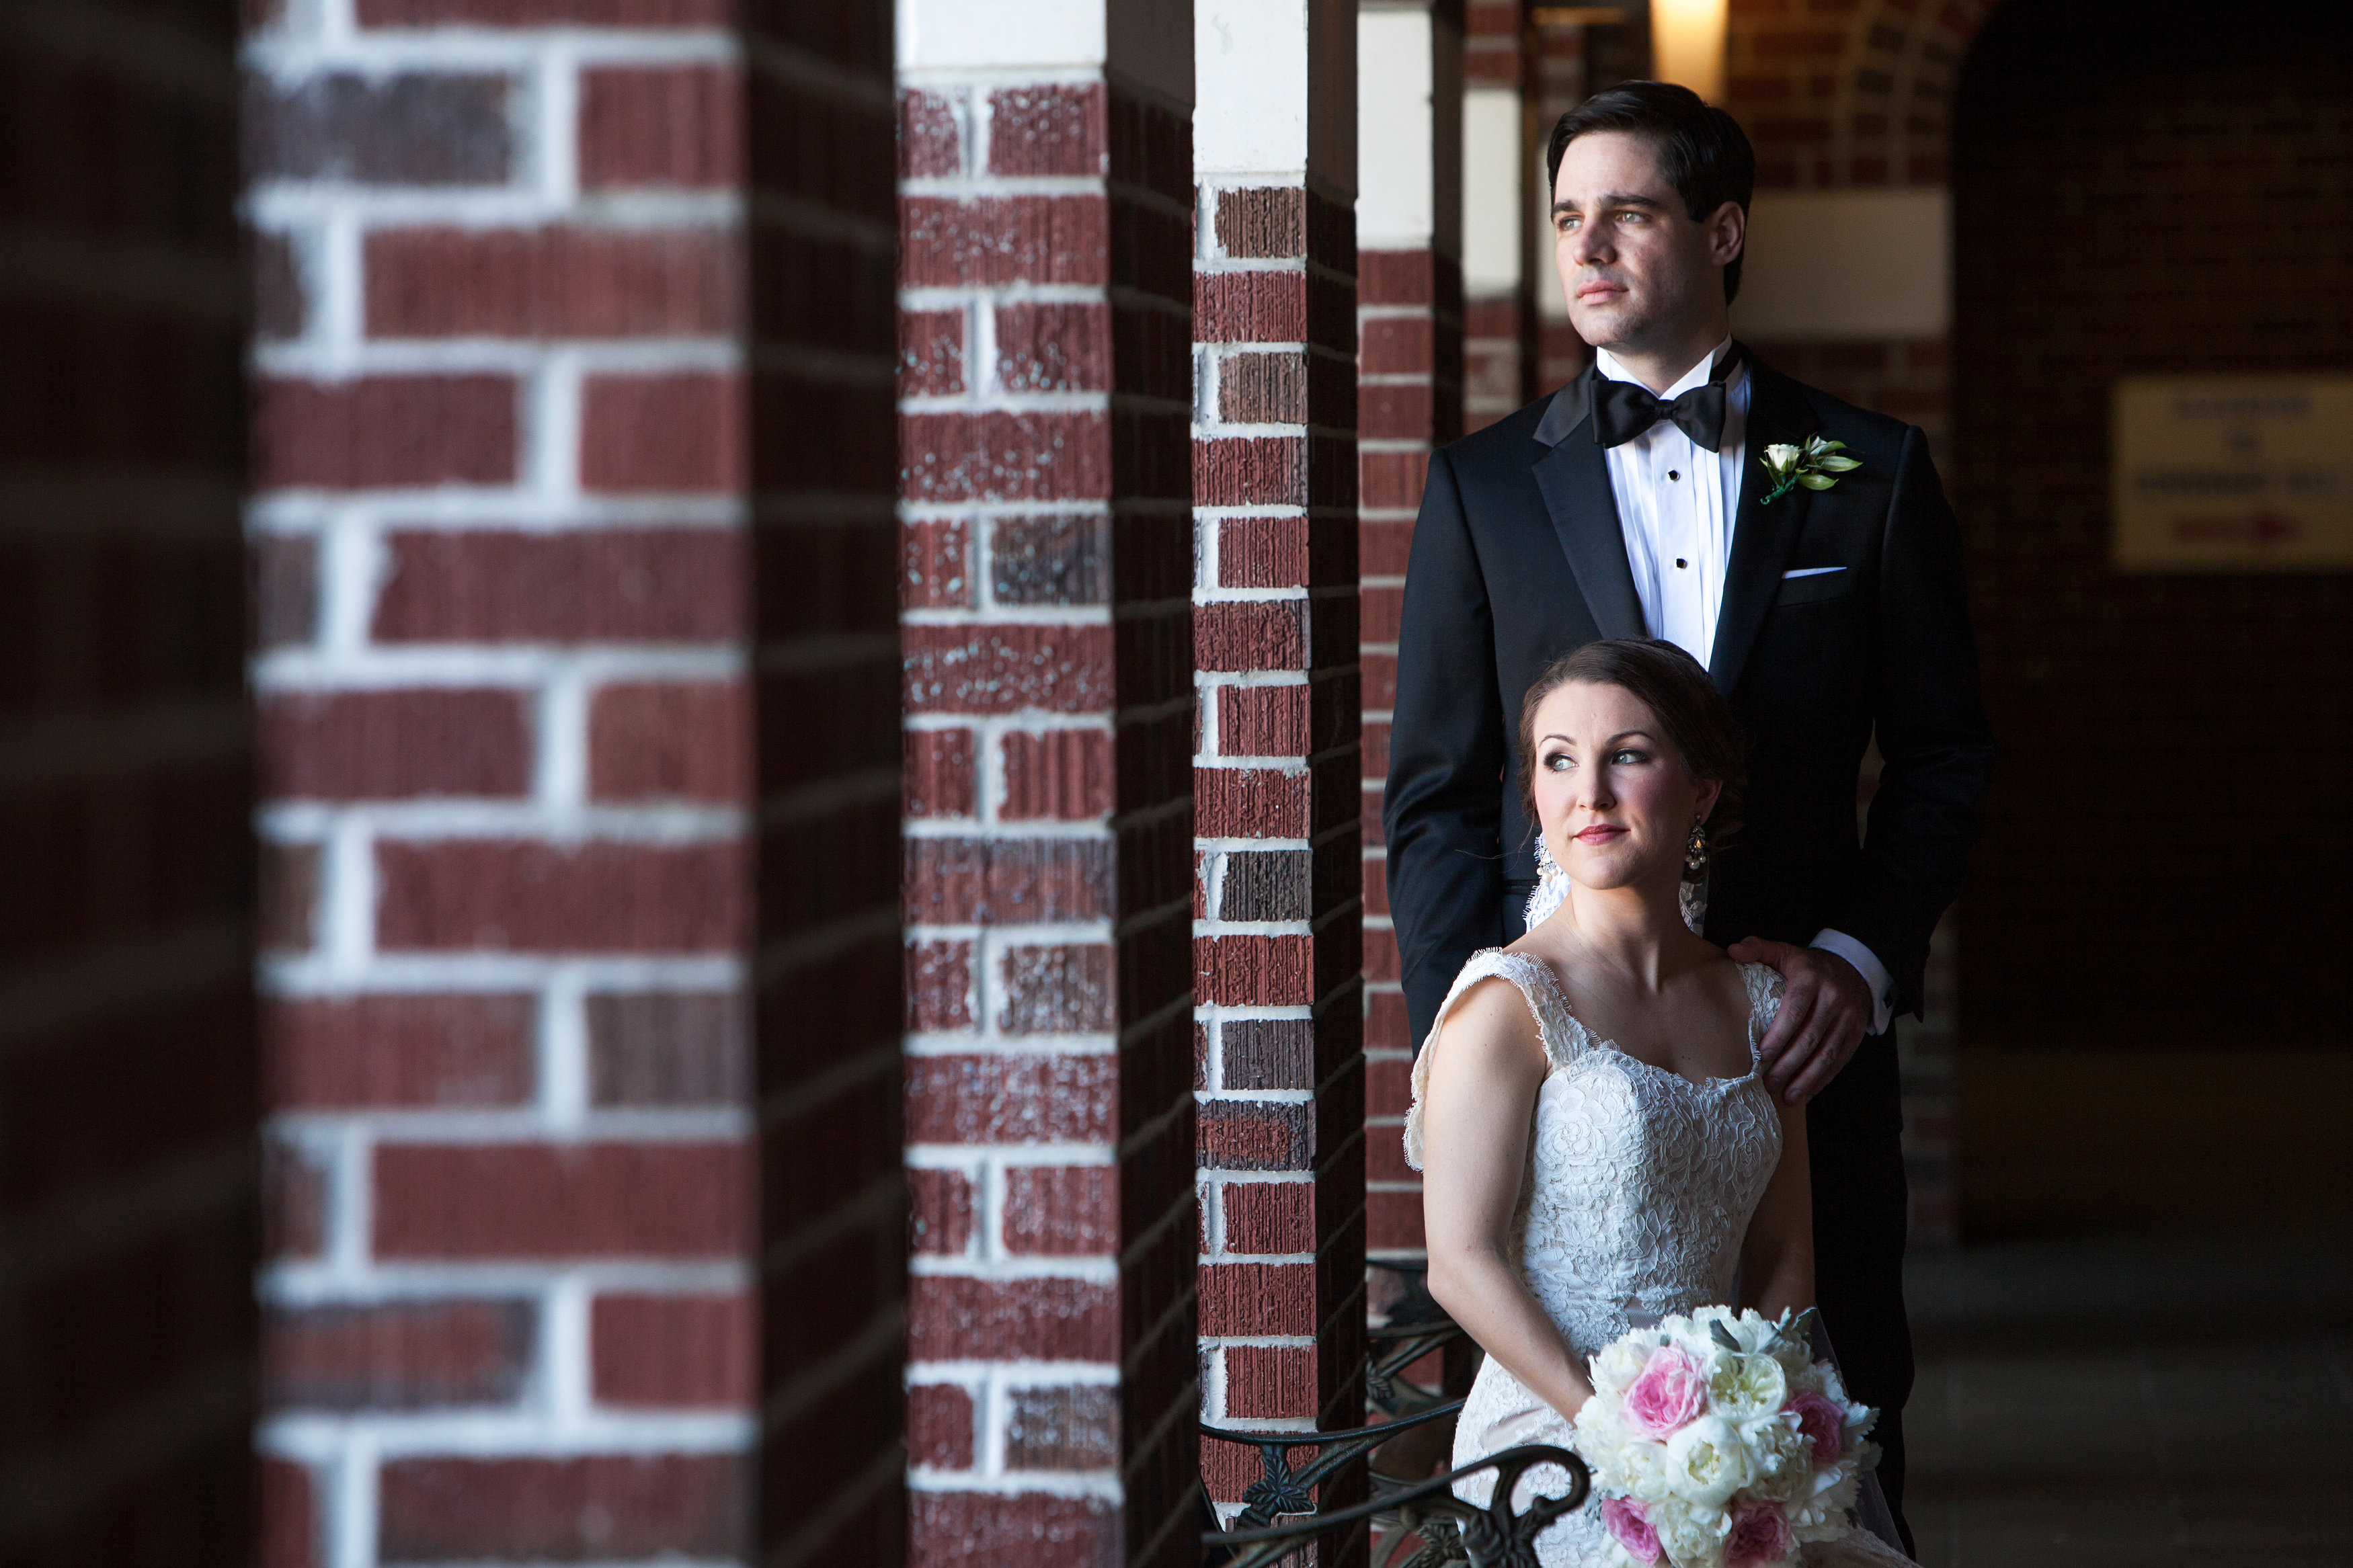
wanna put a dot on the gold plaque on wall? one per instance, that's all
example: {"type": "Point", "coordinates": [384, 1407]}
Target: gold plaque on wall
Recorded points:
{"type": "Point", "coordinates": [2232, 473]}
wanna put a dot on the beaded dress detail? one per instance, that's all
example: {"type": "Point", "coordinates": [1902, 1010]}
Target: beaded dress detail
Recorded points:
{"type": "Point", "coordinates": [1639, 1187]}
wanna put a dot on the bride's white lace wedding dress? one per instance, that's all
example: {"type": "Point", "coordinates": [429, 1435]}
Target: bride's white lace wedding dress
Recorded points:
{"type": "Point", "coordinates": [1637, 1195]}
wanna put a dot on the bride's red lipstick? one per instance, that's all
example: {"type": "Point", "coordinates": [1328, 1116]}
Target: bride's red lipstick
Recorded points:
{"type": "Point", "coordinates": [1599, 833]}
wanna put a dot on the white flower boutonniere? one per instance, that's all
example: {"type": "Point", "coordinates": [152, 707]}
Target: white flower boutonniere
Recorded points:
{"type": "Point", "coordinates": [1816, 465]}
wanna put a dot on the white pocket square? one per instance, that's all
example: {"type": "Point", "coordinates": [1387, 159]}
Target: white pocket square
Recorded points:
{"type": "Point", "coordinates": [1809, 571]}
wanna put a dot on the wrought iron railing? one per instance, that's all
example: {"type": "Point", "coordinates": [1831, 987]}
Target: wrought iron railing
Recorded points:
{"type": "Point", "coordinates": [1427, 1526]}
{"type": "Point", "coordinates": [1443, 1528]}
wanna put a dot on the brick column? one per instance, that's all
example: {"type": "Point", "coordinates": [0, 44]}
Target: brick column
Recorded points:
{"type": "Point", "coordinates": [1045, 175]}
{"type": "Point", "coordinates": [1279, 938]}
{"type": "Point", "coordinates": [127, 1053]}
{"type": "Point", "coordinates": [825, 555]}
{"type": "Point", "coordinates": [1409, 401]}
{"type": "Point", "coordinates": [500, 473]}
{"type": "Point", "coordinates": [1498, 195]}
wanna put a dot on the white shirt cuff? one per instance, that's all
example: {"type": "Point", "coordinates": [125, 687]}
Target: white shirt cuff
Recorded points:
{"type": "Point", "coordinates": [1866, 964]}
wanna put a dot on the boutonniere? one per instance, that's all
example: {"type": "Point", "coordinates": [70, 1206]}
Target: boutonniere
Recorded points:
{"type": "Point", "coordinates": [1816, 465]}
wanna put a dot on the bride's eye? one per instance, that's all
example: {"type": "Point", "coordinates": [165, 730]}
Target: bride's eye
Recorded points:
{"type": "Point", "coordinates": [1630, 757]}
{"type": "Point", "coordinates": [1557, 761]}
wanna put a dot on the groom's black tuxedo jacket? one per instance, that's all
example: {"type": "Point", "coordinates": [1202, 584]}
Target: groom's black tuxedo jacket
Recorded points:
{"type": "Point", "coordinates": [1518, 557]}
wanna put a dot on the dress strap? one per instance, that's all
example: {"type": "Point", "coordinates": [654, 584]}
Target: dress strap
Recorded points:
{"type": "Point", "coordinates": [1764, 1005]}
{"type": "Point", "coordinates": [1564, 1037]}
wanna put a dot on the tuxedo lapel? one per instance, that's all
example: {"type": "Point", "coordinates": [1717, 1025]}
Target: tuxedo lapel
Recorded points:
{"type": "Point", "coordinates": [1575, 481]}
{"type": "Point", "coordinates": [1762, 536]}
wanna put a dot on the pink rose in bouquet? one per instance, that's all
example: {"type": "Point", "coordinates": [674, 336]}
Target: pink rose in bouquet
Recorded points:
{"type": "Point", "coordinates": [1668, 1396]}
{"type": "Point", "coordinates": [1761, 1534]}
{"type": "Point", "coordinates": [1629, 1523]}
{"type": "Point", "coordinates": [1822, 1422]}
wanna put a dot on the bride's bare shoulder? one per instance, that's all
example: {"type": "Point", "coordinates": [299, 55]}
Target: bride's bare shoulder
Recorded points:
{"type": "Point", "coordinates": [1490, 1023]}
{"type": "Point", "coordinates": [1717, 970]}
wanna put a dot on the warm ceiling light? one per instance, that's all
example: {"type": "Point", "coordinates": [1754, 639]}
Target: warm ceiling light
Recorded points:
{"type": "Point", "coordinates": [1580, 15]}
{"type": "Point", "coordinates": [1687, 45]}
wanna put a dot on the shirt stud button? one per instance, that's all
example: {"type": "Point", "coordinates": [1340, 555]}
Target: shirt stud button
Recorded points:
{"type": "Point", "coordinates": [1672, 475]}
{"type": "Point", "coordinates": [1681, 562]}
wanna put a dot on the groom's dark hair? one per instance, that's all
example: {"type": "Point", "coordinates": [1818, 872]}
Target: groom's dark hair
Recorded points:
{"type": "Point", "coordinates": [1670, 682]}
{"type": "Point", "coordinates": [1703, 151]}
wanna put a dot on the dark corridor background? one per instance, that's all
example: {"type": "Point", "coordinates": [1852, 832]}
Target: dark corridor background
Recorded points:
{"type": "Point", "coordinates": [2153, 188]}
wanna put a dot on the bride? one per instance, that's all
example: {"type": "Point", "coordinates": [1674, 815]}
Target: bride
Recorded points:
{"type": "Point", "coordinates": [1599, 1147]}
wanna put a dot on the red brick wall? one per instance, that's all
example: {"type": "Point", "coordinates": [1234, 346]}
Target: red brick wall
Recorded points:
{"type": "Point", "coordinates": [824, 461]}
{"type": "Point", "coordinates": [1909, 378]}
{"type": "Point", "coordinates": [1409, 397]}
{"type": "Point", "coordinates": [507, 761]}
{"type": "Point", "coordinates": [2174, 748]}
{"type": "Point", "coordinates": [1045, 333]}
{"type": "Point", "coordinates": [1278, 934]}
{"type": "Point", "coordinates": [127, 1044]}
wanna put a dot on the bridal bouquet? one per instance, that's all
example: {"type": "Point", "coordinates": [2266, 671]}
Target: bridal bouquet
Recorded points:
{"type": "Point", "coordinates": [1717, 1441]}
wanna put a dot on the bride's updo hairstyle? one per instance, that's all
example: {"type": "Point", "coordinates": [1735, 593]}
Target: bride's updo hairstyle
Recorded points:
{"type": "Point", "coordinates": [1668, 682]}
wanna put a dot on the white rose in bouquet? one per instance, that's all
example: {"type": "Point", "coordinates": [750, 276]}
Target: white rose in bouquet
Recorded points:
{"type": "Point", "coordinates": [1743, 1387]}
{"type": "Point", "coordinates": [1797, 1359]}
{"type": "Point", "coordinates": [1823, 1515]}
{"type": "Point", "coordinates": [1782, 1459]}
{"type": "Point", "coordinates": [1619, 1364]}
{"type": "Point", "coordinates": [1707, 1461]}
{"type": "Point", "coordinates": [1643, 1469]}
{"type": "Point", "coordinates": [1691, 1536]}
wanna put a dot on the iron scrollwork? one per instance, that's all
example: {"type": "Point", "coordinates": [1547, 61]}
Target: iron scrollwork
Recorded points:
{"type": "Point", "coordinates": [1450, 1530]}
{"type": "Point", "coordinates": [1282, 1491]}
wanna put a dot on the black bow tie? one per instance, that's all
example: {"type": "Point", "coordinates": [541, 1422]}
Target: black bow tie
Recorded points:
{"type": "Point", "coordinates": [1624, 409]}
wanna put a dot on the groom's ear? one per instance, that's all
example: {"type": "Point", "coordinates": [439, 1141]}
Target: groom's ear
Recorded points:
{"type": "Point", "coordinates": [1727, 233]}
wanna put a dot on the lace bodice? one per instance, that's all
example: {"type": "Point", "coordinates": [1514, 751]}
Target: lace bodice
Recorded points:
{"type": "Point", "coordinates": [1638, 1194]}
{"type": "Point", "coordinates": [1640, 1182]}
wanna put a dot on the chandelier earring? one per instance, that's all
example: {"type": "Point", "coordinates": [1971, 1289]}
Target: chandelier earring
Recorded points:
{"type": "Point", "coordinates": [1547, 869]}
{"type": "Point", "coordinates": [1695, 851]}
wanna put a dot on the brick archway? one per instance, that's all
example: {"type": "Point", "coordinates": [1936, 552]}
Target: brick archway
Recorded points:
{"type": "Point", "coordinates": [1860, 100]}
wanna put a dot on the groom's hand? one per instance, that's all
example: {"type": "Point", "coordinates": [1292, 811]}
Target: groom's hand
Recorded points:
{"type": "Point", "coordinates": [1825, 1012]}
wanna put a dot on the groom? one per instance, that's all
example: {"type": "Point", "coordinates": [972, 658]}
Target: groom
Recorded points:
{"type": "Point", "coordinates": [1633, 502]}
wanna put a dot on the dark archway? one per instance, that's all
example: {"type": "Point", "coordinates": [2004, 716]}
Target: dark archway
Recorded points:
{"type": "Point", "coordinates": [2169, 827]}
